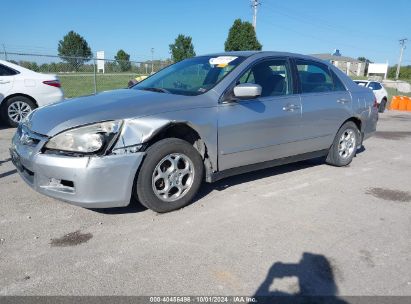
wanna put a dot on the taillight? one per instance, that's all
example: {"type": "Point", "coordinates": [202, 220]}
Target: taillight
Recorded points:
{"type": "Point", "coordinates": [53, 83]}
{"type": "Point", "coordinates": [375, 105]}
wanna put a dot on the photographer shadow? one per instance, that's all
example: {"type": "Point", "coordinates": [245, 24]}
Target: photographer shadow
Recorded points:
{"type": "Point", "coordinates": [316, 283]}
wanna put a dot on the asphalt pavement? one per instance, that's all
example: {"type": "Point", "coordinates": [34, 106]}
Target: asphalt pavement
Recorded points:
{"type": "Point", "coordinates": [302, 228]}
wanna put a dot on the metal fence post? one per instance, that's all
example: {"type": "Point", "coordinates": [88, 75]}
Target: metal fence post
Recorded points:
{"type": "Point", "coordinates": [95, 76]}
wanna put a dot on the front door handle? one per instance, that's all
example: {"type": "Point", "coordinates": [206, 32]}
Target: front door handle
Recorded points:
{"type": "Point", "coordinates": [4, 81]}
{"type": "Point", "coordinates": [291, 107]}
{"type": "Point", "coordinates": [343, 100]}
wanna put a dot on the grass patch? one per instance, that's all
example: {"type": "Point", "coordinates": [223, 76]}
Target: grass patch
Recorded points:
{"type": "Point", "coordinates": [358, 77]}
{"type": "Point", "coordinates": [75, 85]}
{"type": "Point", "coordinates": [393, 92]}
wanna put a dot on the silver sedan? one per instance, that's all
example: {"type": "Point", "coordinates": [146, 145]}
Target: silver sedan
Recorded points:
{"type": "Point", "coordinates": [201, 119]}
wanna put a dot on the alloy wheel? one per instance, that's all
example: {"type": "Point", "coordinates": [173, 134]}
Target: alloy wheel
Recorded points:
{"type": "Point", "coordinates": [18, 110]}
{"type": "Point", "coordinates": [347, 143]}
{"type": "Point", "coordinates": [173, 177]}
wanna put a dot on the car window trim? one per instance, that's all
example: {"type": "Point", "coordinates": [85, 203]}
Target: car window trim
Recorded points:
{"type": "Point", "coordinates": [231, 86]}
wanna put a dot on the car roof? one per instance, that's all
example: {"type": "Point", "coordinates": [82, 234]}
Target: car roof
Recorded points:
{"type": "Point", "coordinates": [370, 80]}
{"type": "Point", "coordinates": [18, 67]}
{"type": "Point", "coordinates": [266, 53]}
{"type": "Point", "coordinates": [10, 64]}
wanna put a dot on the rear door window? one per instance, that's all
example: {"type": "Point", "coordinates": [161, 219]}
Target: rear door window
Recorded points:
{"type": "Point", "coordinates": [314, 77]}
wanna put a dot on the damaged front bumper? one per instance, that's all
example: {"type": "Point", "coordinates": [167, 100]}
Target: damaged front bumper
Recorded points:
{"type": "Point", "coordinates": [87, 181]}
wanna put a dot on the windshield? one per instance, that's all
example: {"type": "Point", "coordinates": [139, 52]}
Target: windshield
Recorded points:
{"type": "Point", "coordinates": [192, 76]}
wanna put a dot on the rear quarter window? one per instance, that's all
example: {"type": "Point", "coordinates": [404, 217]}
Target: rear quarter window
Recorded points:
{"type": "Point", "coordinates": [6, 71]}
{"type": "Point", "coordinates": [338, 84]}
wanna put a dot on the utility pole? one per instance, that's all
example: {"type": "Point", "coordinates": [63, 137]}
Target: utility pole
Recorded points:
{"type": "Point", "coordinates": [152, 60]}
{"type": "Point", "coordinates": [5, 53]}
{"type": "Point", "coordinates": [254, 6]}
{"type": "Point", "coordinates": [402, 44]}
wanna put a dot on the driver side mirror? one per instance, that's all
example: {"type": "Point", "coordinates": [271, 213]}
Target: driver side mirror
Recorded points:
{"type": "Point", "coordinates": [247, 90]}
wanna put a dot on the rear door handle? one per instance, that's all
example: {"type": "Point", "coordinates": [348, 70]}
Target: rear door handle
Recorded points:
{"type": "Point", "coordinates": [4, 81]}
{"type": "Point", "coordinates": [343, 100]}
{"type": "Point", "coordinates": [291, 107]}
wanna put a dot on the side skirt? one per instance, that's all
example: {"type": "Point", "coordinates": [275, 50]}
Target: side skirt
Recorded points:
{"type": "Point", "coordinates": [216, 176]}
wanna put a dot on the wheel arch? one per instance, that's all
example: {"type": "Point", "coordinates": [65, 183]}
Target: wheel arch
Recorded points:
{"type": "Point", "coordinates": [5, 99]}
{"type": "Point", "coordinates": [149, 131]}
{"type": "Point", "coordinates": [358, 122]}
{"type": "Point", "coordinates": [186, 132]}
{"type": "Point", "coordinates": [355, 120]}
{"type": "Point", "coordinates": [181, 130]}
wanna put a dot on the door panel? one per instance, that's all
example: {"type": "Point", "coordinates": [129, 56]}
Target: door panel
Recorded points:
{"type": "Point", "coordinates": [323, 114]}
{"type": "Point", "coordinates": [258, 130]}
{"type": "Point", "coordinates": [326, 104]}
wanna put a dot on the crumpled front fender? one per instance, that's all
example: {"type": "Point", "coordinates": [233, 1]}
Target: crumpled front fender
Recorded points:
{"type": "Point", "coordinates": [138, 131]}
{"type": "Point", "coordinates": [141, 130]}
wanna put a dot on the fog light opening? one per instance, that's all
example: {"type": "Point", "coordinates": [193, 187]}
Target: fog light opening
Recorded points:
{"type": "Point", "coordinates": [62, 185]}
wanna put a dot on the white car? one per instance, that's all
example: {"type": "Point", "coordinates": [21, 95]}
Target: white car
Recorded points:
{"type": "Point", "coordinates": [380, 92]}
{"type": "Point", "coordinates": [22, 90]}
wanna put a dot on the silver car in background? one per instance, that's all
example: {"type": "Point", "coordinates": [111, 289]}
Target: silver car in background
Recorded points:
{"type": "Point", "coordinates": [201, 119]}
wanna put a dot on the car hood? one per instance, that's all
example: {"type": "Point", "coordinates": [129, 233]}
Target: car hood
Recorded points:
{"type": "Point", "coordinates": [111, 105]}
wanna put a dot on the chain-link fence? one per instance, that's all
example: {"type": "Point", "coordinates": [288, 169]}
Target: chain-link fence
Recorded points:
{"type": "Point", "coordinates": [84, 76]}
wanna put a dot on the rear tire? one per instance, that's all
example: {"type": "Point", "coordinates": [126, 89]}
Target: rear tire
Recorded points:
{"type": "Point", "coordinates": [382, 105]}
{"type": "Point", "coordinates": [170, 175]}
{"type": "Point", "coordinates": [344, 146]}
{"type": "Point", "coordinates": [15, 109]}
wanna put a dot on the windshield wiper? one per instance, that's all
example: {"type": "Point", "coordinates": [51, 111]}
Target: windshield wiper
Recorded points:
{"type": "Point", "coordinates": [153, 89]}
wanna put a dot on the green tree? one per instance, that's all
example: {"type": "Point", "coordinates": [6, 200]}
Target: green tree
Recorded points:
{"type": "Point", "coordinates": [242, 37]}
{"type": "Point", "coordinates": [182, 48]}
{"type": "Point", "coordinates": [74, 49]}
{"type": "Point", "coordinates": [29, 65]}
{"type": "Point", "coordinates": [123, 60]}
{"type": "Point", "coordinates": [363, 59]}
{"type": "Point", "coordinates": [405, 72]}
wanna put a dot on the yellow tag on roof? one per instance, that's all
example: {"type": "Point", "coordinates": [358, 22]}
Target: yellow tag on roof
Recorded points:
{"type": "Point", "coordinates": [222, 61]}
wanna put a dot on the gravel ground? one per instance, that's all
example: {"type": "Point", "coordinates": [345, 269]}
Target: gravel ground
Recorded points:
{"type": "Point", "coordinates": [302, 228]}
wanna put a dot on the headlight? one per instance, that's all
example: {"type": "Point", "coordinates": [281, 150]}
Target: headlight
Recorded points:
{"type": "Point", "coordinates": [87, 139]}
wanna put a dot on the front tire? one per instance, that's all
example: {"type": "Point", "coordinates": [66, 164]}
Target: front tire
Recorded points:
{"type": "Point", "coordinates": [344, 146]}
{"type": "Point", "coordinates": [170, 175]}
{"type": "Point", "coordinates": [16, 109]}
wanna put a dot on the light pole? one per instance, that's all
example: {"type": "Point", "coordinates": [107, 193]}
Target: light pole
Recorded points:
{"type": "Point", "coordinates": [254, 5]}
{"type": "Point", "coordinates": [152, 60]}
